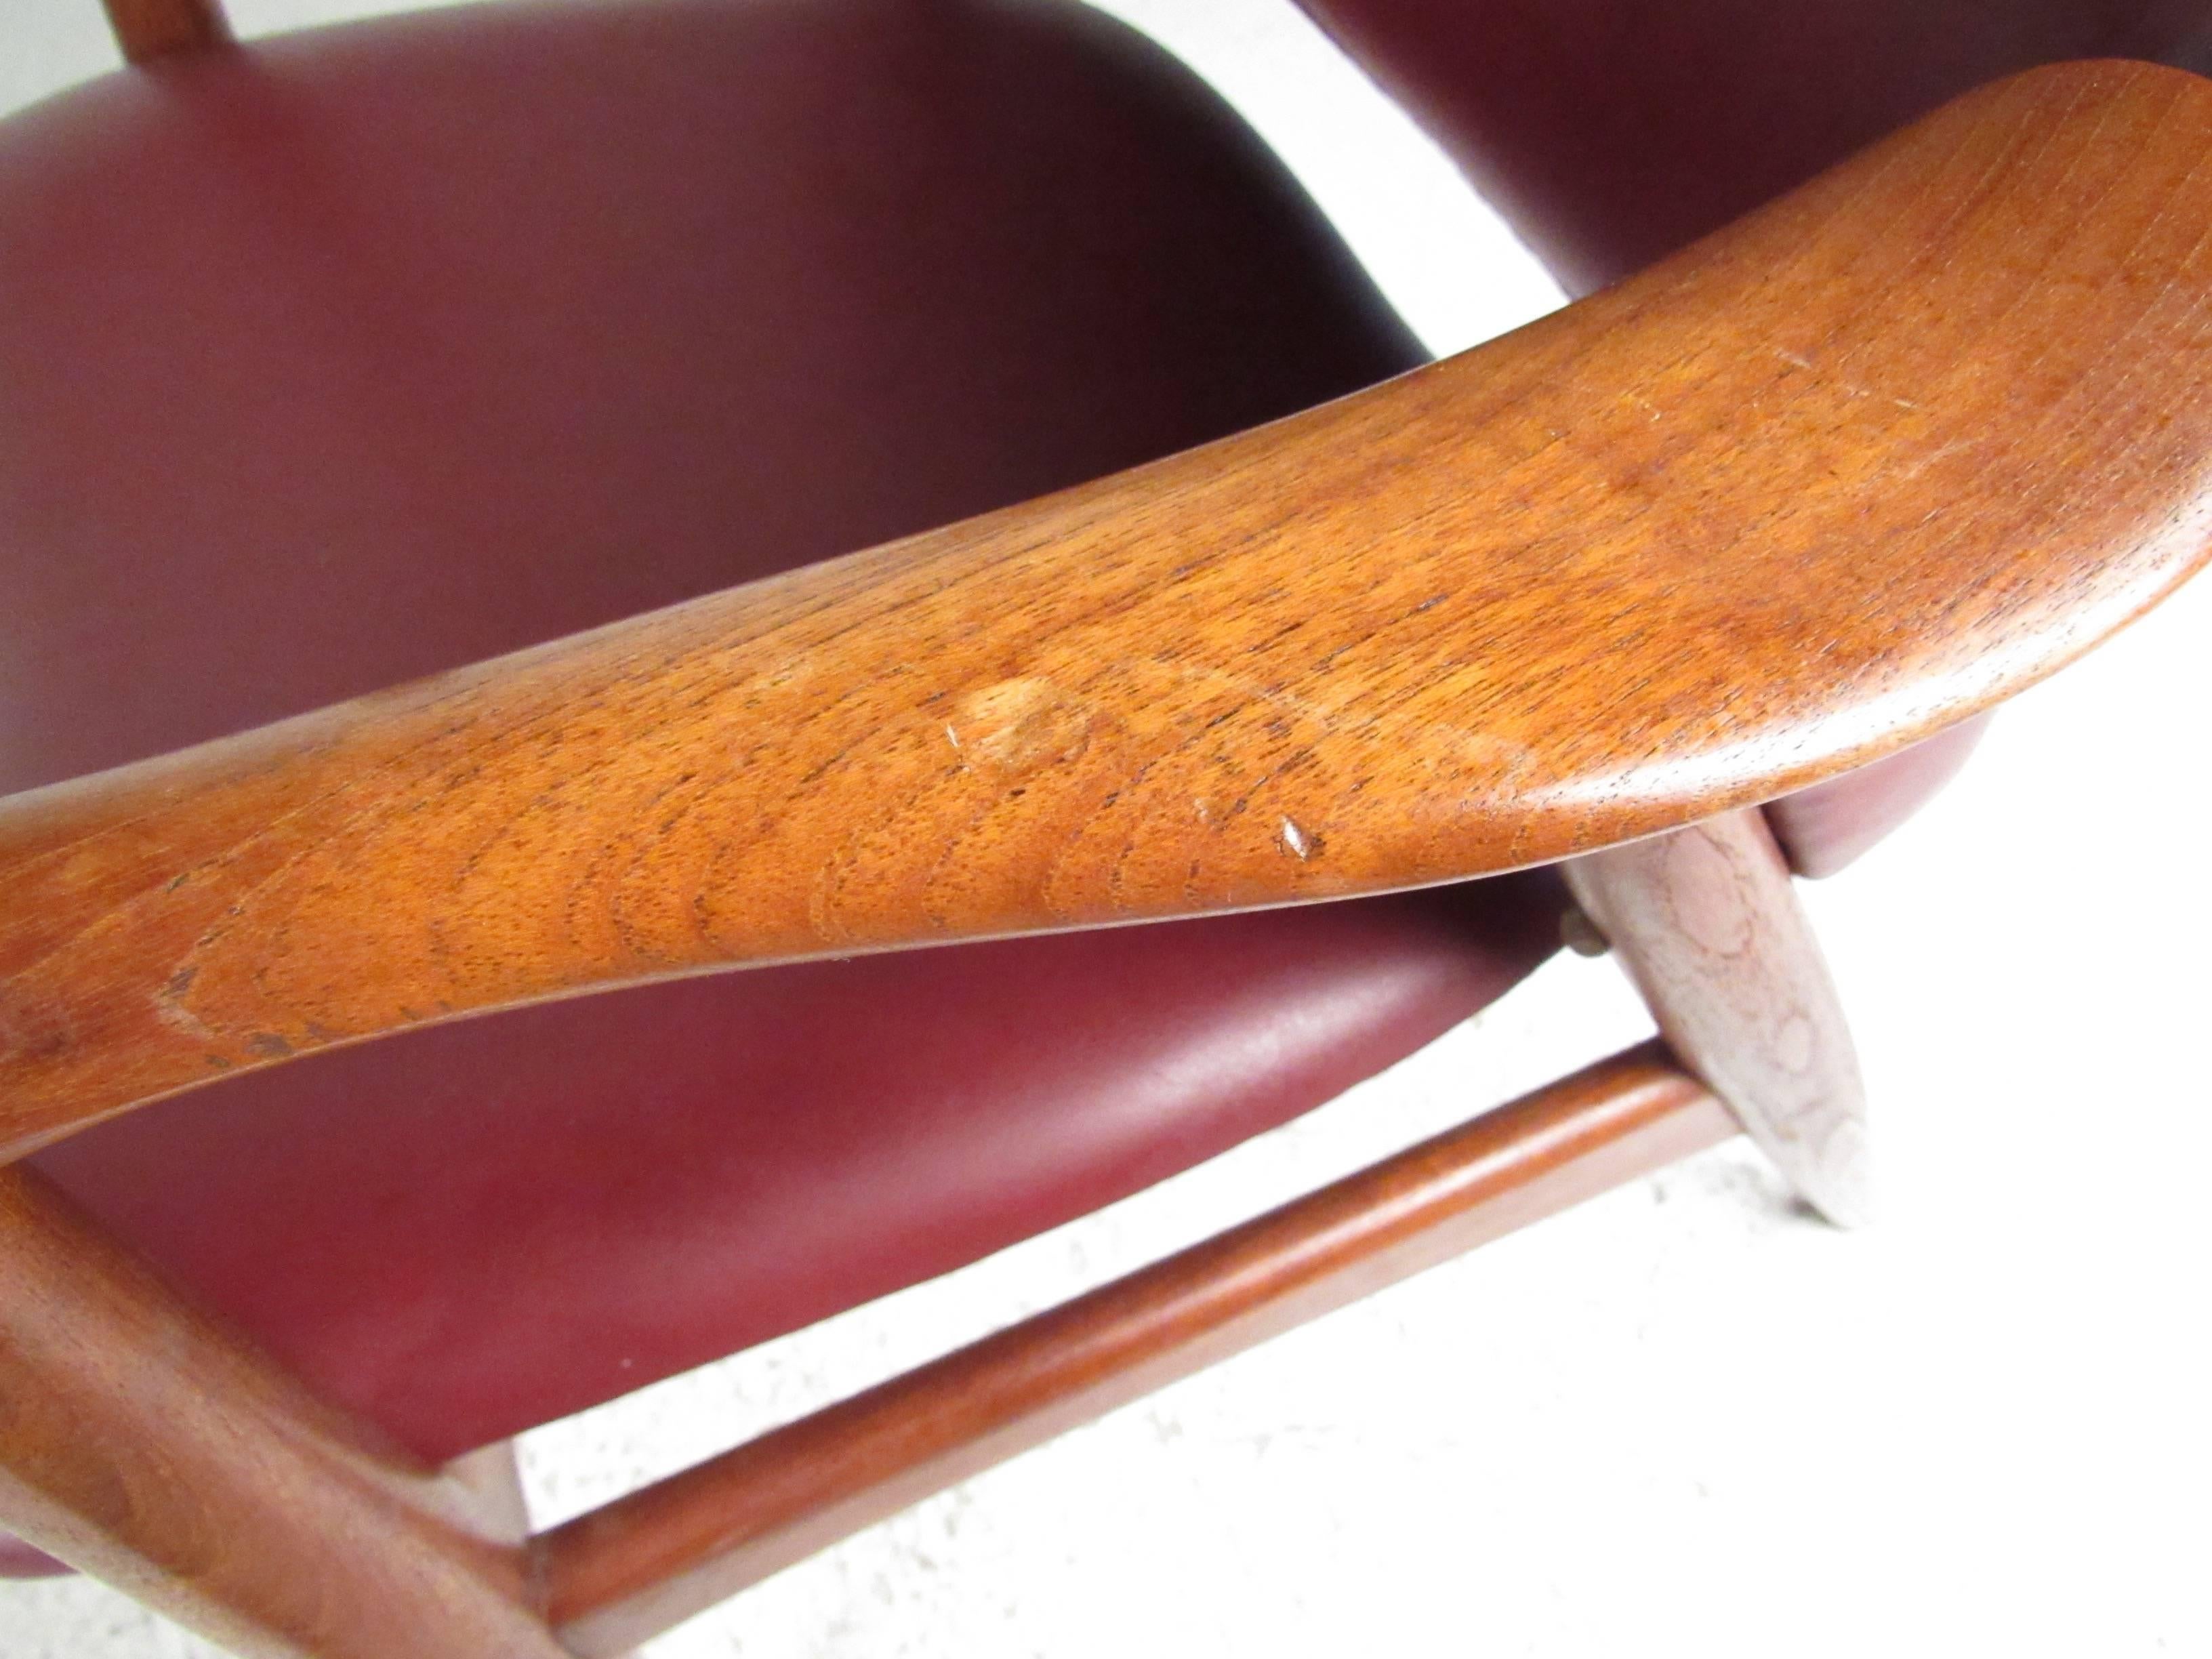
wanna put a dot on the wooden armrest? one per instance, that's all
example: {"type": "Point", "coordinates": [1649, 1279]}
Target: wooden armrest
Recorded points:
{"type": "Point", "coordinates": [1872, 459]}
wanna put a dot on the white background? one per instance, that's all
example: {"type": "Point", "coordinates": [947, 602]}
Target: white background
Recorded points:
{"type": "Point", "coordinates": [1679, 1419]}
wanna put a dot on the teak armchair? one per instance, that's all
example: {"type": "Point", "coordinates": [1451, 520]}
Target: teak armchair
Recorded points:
{"type": "Point", "coordinates": [1823, 486]}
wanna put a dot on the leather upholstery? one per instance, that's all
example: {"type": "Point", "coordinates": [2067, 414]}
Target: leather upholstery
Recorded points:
{"type": "Point", "coordinates": [1611, 132]}
{"type": "Point", "coordinates": [385, 351]}
{"type": "Point", "coordinates": [397, 347]}
{"type": "Point", "coordinates": [473, 1228]}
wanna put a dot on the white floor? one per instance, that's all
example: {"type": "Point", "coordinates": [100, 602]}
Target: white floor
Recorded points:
{"type": "Point", "coordinates": [1680, 1419]}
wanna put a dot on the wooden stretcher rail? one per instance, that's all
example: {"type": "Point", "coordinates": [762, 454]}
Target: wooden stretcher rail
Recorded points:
{"type": "Point", "coordinates": [637, 1567]}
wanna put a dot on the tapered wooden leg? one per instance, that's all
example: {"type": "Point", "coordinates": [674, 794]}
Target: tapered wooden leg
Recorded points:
{"type": "Point", "coordinates": [1706, 923]}
{"type": "Point", "coordinates": [146, 29]}
{"type": "Point", "coordinates": [141, 1444]}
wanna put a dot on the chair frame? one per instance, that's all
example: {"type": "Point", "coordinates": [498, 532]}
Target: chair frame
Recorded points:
{"type": "Point", "coordinates": [216, 1490]}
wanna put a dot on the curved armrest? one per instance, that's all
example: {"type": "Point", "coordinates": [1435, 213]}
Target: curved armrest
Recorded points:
{"type": "Point", "coordinates": [1874, 458]}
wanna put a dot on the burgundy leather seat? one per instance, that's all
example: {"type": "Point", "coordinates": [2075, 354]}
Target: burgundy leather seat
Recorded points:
{"type": "Point", "coordinates": [375, 352]}
{"type": "Point", "coordinates": [371, 354]}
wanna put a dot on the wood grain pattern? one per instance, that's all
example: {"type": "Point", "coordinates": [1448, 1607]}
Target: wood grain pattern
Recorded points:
{"type": "Point", "coordinates": [141, 1444]}
{"type": "Point", "coordinates": [1706, 924]}
{"type": "Point", "coordinates": [1877, 457]}
{"type": "Point", "coordinates": [624, 1573]}
{"type": "Point", "coordinates": [150, 29]}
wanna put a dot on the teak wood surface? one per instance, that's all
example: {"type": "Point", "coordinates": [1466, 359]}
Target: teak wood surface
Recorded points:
{"type": "Point", "coordinates": [1879, 455]}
